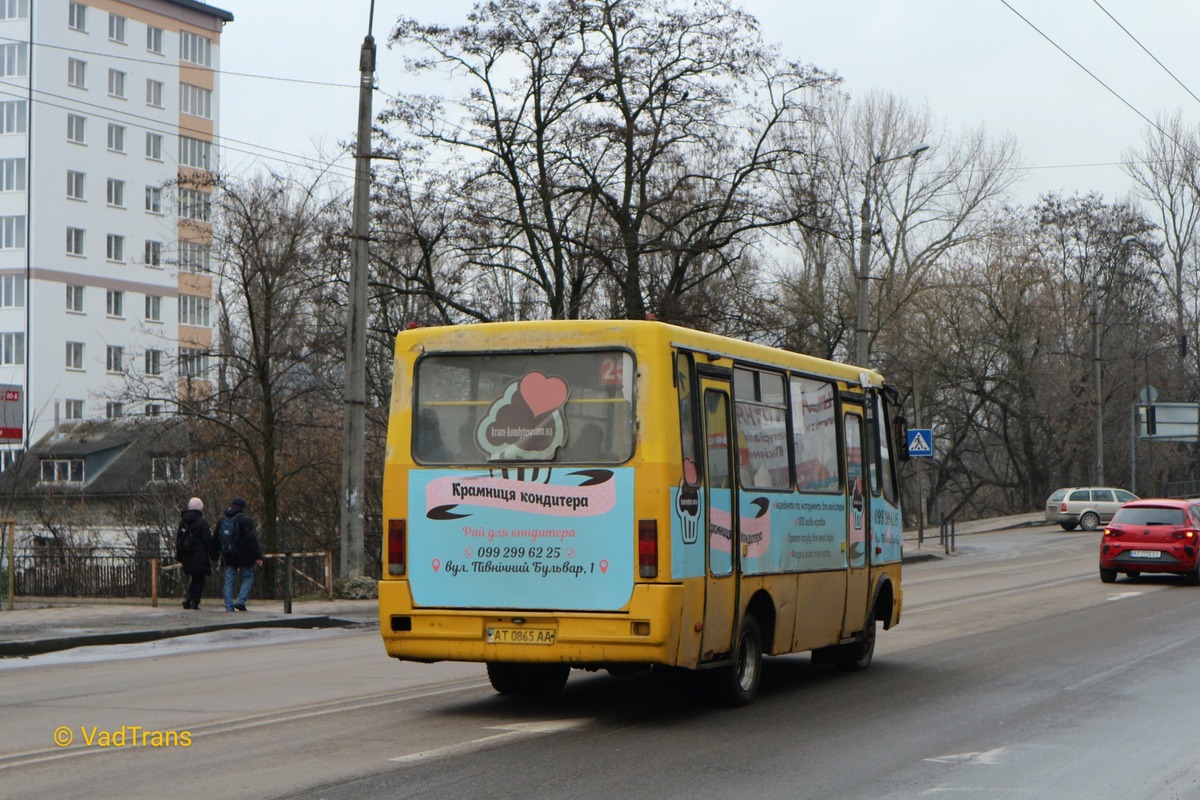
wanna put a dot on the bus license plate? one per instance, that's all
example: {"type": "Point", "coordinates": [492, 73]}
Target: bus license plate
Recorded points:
{"type": "Point", "coordinates": [520, 635]}
{"type": "Point", "coordinates": [1145, 553]}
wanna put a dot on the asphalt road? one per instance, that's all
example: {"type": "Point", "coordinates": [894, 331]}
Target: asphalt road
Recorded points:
{"type": "Point", "coordinates": [1014, 673]}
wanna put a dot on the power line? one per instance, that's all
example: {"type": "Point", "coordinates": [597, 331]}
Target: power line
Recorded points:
{"type": "Point", "coordinates": [1146, 50]}
{"type": "Point", "coordinates": [1097, 79]}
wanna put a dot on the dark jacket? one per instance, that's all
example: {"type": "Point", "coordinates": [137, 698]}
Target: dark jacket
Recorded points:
{"type": "Point", "coordinates": [248, 550]}
{"type": "Point", "coordinates": [199, 561]}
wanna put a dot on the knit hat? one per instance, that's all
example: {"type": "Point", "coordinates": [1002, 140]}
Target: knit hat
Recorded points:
{"type": "Point", "coordinates": [237, 503]}
{"type": "Point", "coordinates": [195, 504]}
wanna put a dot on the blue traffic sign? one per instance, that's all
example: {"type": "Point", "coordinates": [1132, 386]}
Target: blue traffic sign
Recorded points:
{"type": "Point", "coordinates": [920, 442]}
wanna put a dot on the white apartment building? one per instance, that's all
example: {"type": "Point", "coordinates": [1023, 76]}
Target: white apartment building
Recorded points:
{"type": "Point", "coordinates": [108, 130]}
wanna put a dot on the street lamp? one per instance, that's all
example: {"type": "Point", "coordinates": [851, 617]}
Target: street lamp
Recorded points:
{"type": "Point", "coordinates": [1099, 443]}
{"type": "Point", "coordinates": [862, 342]}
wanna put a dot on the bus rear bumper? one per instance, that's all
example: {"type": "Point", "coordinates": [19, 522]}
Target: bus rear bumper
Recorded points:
{"type": "Point", "coordinates": [645, 632]}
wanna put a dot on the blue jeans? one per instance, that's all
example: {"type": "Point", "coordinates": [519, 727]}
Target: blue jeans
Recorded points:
{"type": "Point", "coordinates": [247, 578]}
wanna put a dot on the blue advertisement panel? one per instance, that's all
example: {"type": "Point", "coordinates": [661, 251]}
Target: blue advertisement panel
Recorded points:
{"type": "Point", "coordinates": [780, 532]}
{"type": "Point", "coordinates": [482, 539]}
{"type": "Point", "coordinates": [887, 531]}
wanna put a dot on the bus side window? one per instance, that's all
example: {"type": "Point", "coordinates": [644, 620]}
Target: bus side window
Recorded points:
{"type": "Point", "coordinates": [687, 419]}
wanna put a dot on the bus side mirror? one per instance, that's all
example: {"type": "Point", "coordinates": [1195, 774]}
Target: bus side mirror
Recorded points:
{"type": "Point", "coordinates": [900, 426]}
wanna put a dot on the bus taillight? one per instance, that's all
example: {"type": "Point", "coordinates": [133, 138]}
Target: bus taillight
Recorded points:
{"type": "Point", "coordinates": [397, 533]}
{"type": "Point", "coordinates": [648, 548]}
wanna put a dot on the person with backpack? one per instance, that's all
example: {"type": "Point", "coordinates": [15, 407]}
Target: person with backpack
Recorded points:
{"type": "Point", "coordinates": [240, 552]}
{"type": "Point", "coordinates": [194, 550]}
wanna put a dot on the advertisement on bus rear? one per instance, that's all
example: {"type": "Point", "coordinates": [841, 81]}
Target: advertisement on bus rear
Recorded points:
{"type": "Point", "coordinates": [490, 539]}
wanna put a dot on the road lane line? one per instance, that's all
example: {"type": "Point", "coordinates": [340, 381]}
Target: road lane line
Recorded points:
{"type": "Point", "coordinates": [518, 730]}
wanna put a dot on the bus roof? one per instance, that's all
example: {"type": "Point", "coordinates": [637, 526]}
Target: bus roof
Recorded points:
{"type": "Point", "coordinates": [537, 334]}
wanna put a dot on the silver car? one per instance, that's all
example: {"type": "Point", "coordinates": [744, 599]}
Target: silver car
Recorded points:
{"type": "Point", "coordinates": [1085, 506]}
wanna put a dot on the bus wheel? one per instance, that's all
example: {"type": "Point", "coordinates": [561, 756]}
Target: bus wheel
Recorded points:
{"type": "Point", "coordinates": [738, 682]}
{"type": "Point", "coordinates": [857, 656]}
{"type": "Point", "coordinates": [544, 680]}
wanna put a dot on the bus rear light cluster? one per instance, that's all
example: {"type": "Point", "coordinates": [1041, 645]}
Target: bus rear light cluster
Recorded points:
{"type": "Point", "coordinates": [397, 545]}
{"type": "Point", "coordinates": [648, 548]}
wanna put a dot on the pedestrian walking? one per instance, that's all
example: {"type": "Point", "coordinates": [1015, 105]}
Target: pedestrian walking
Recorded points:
{"type": "Point", "coordinates": [240, 552]}
{"type": "Point", "coordinates": [195, 550]}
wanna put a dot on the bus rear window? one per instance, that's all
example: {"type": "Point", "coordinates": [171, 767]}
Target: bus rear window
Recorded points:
{"type": "Point", "coordinates": [565, 407]}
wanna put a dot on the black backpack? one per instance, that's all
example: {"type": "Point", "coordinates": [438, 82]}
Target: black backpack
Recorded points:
{"type": "Point", "coordinates": [185, 542]}
{"type": "Point", "coordinates": [229, 536]}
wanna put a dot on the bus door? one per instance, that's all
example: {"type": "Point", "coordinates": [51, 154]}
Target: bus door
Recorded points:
{"type": "Point", "coordinates": [720, 513]}
{"type": "Point", "coordinates": [858, 527]}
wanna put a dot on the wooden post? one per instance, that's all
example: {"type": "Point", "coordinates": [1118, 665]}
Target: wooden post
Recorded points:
{"type": "Point", "coordinates": [154, 582]}
{"type": "Point", "coordinates": [328, 575]}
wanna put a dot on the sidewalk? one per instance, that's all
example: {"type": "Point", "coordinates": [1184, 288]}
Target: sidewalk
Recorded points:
{"type": "Point", "coordinates": [51, 624]}
{"type": "Point", "coordinates": [58, 624]}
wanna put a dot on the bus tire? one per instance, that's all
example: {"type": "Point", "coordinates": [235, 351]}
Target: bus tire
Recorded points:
{"type": "Point", "coordinates": [738, 682]}
{"type": "Point", "coordinates": [857, 656]}
{"type": "Point", "coordinates": [542, 680]}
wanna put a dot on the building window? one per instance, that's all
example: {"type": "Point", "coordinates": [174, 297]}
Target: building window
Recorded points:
{"type": "Point", "coordinates": [114, 358]}
{"type": "Point", "coordinates": [75, 184]}
{"type": "Point", "coordinates": [154, 199]}
{"type": "Point", "coordinates": [115, 247]}
{"type": "Point", "coordinates": [116, 83]}
{"type": "Point", "coordinates": [195, 153]}
{"type": "Point", "coordinates": [76, 129]}
{"type": "Point", "coordinates": [14, 60]}
{"type": "Point", "coordinates": [154, 146]}
{"type": "Point", "coordinates": [193, 363]}
{"type": "Point", "coordinates": [75, 241]}
{"type": "Point", "coordinates": [114, 303]}
{"type": "Point", "coordinates": [166, 469]}
{"type": "Point", "coordinates": [195, 100]}
{"type": "Point", "coordinates": [153, 308]}
{"type": "Point", "coordinates": [73, 409]}
{"type": "Point", "coordinates": [153, 409]}
{"type": "Point", "coordinates": [116, 192]}
{"type": "Point", "coordinates": [62, 470]}
{"type": "Point", "coordinates": [12, 348]}
{"type": "Point", "coordinates": [74, 298]}
{"type": "Point", "coordinates": [12, 116]}
{"type": "Point", "coordinates": [114, 409]}
{"type": "Point", "coordinates": [116, 138]}
{"type": "Point", "coordinates": [12, 233]}
{"type": "Point", "coordinates": [154, 362]}
{"type": "Point", "coordinates": [154, 91]}
{"type": "Point", "coordinates": [14, 9]}
{"type": "Point", "coordinates": [77, 17]}
{"type": "Point", "coordinates": [195, 48]}
{"type": "Point", "coordinates": [12, 175]}
{"type": "Point", "coordinates": [194, 310]}
{"type": "Point", "coordinates": [154, 39]}
{"type": "Point", "coordinates": [195, 257]}
{"type": "Point", "coordinates": [152, 255]}
{"type": "Point", "coordinates": [74, 355]}
{"type": "Point", "coordinates": [194, 204]}
{"type": "Point", "coordinates": [77, 73]}
{"type": "Point", "coordinates": [116, 28]}
{"type": "Point", "coordinates": [12, 291]}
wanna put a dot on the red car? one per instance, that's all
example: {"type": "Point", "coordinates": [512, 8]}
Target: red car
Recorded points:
{"type": "Point", "coordinates": [1152, 536]}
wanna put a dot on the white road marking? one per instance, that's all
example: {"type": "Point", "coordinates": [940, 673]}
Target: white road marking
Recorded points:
{"type": "Point", "coordinates": [1123, 595]}
{"type": "Point", "coordinates": [985, 757]}
{"type": "Point", "coordinates": [517, 730]}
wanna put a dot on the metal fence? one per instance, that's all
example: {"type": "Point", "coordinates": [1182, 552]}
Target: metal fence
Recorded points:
{"type": "Point", "coordinates": [118, 572]}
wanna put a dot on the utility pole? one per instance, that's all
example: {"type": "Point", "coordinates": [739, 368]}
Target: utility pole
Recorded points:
{"type": "Point", "coordinates": [354, 445]}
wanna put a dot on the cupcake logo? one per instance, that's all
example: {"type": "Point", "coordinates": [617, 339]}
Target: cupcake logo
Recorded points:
{"type": "Point", "coordinates": [526, 422]}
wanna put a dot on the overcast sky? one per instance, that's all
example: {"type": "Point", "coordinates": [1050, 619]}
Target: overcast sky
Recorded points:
{"type": "Point", "coordinates": [972, 62]}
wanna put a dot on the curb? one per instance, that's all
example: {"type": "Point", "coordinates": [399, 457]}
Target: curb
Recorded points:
{"type": "Point", "coordinates": [39, 646]}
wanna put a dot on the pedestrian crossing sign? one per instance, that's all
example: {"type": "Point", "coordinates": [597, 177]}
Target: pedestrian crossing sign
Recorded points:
{"type": "Point", "coordinates": [920, 442]}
